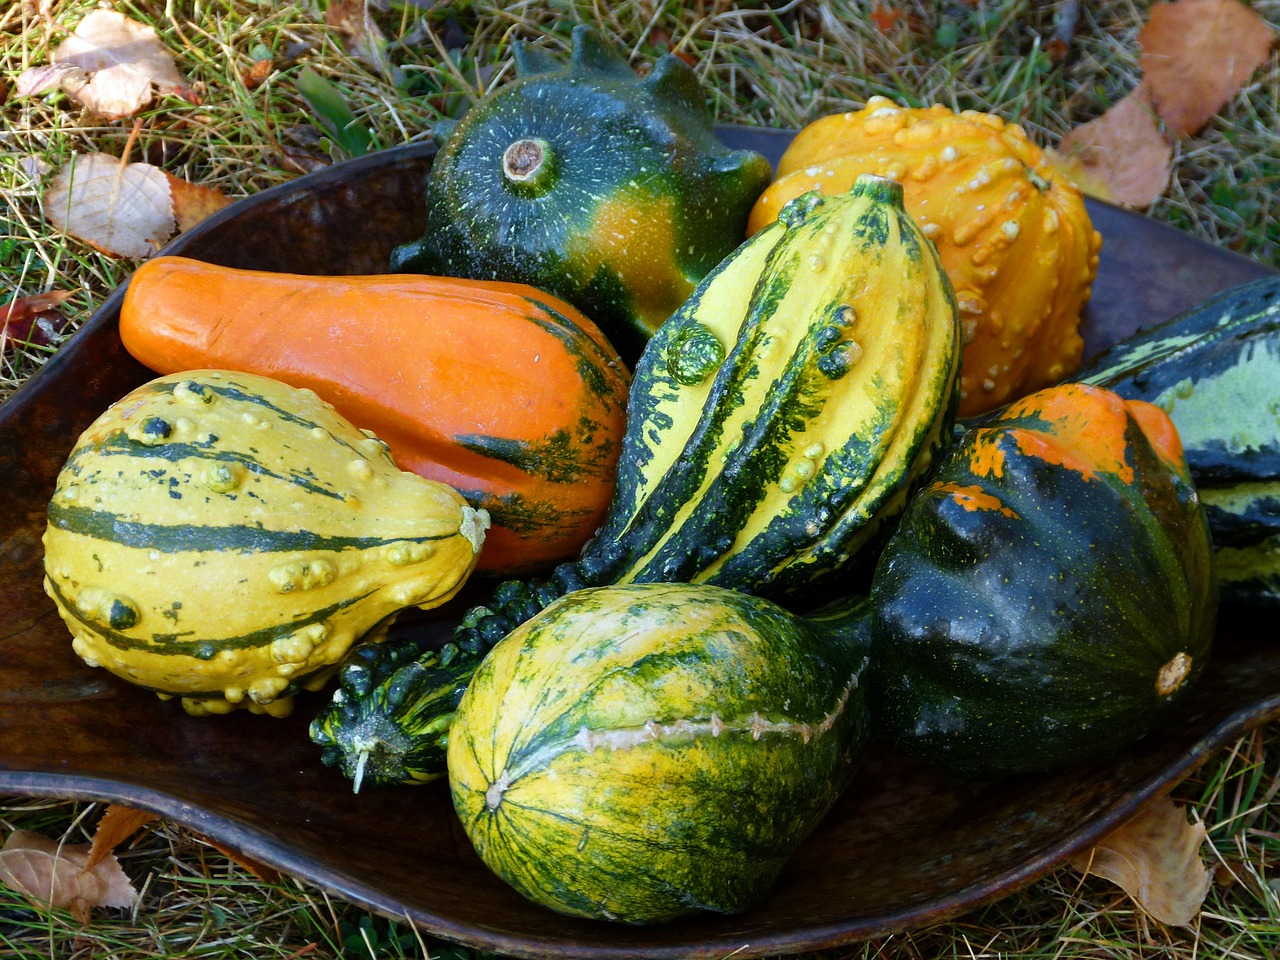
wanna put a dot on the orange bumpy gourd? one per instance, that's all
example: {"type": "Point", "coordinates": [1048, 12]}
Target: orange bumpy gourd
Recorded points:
{"type": "Point", "coordinates": [1013, 235]}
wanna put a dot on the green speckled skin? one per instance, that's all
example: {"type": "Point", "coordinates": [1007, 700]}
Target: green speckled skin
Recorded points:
{"type": "Point", "coordinates": [1025, 607]}
{"type": "Point", "coordinates": [639, 753]}
{"type": "Point", "coordinates": [637, 203]}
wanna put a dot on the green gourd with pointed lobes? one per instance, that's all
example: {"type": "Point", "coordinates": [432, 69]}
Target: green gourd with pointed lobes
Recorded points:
{"type": "Point", "coordinates": [588, 181]}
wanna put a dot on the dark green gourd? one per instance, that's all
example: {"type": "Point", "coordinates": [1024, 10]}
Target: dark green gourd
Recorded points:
{"type": "Point", "coordinates": [774, 424]}
{"type": "Point", "coordinates": [588, 181]}
{"type": "Point", "coordinates": [1048, 597]}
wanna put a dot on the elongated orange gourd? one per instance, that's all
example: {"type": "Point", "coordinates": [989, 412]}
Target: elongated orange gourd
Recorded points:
{"type": "Point", "coordinates": [1013, 235]}
{"type": "Point", "coordinates": [507, 394]}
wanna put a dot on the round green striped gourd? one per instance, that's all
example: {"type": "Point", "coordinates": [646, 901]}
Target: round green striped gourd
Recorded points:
{"type": "Point", "coordinates": [225, 538]}
{"type": "Point", "coordinates": [636, 753]}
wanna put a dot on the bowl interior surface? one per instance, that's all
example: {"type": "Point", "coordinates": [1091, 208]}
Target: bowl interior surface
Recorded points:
{"type": "Point", "coordinates": [905, 846]}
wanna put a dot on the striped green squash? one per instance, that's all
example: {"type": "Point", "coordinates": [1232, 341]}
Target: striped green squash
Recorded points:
{"type": "Point", "coordinates": [636, 753]}
{"type": "Point", "coordinates": [774, 423]}
{"type": "Point", "coordinates": [1215, 369]}
{"type": "Point", "coordinates": [224, 538]}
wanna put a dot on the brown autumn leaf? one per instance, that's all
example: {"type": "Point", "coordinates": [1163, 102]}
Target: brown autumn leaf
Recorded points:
{"type": "Point", "coordinates": [1155, 858]}
{"type": "Point", "coordinates": [48, 872]}
{"type": "Point", "coordinates": [192, 202]}
{"type": "Point", "coordinates": [35, 319]}
{"type": "Point", "coordinates": [117, 825]}
{"type": "Point", "coordinates": [884, 18]}
{"type": "Point", "coordinates": [257, 73]}
{"type": "Point", "coordinates": [124, 210]}
{"type": "Point", "coordinates": [1197, 54]}
{"type": "Point", "coordinates": [364, 40]}
{"type": "Point", "coordinates": [265, 873]}
{"type": "Point", "coordinates": [122, 60]}
{"type": "Point", "coordinates": [1121, 156]}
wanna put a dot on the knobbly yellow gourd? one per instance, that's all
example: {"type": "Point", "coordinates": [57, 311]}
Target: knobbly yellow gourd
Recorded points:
{"type": "Point", "coordinates": [225, 538]}
{"type": "Point", "coordinates": [1013, 235]}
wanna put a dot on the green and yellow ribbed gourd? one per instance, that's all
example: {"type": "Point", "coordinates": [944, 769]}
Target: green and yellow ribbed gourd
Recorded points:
{"type": "Point", "coordinates": [640, 752]}
{"type": "Point", "coordinates": [224, 538]}
{"type": "Point", "coordinates": [1215, 369]}
{"type": "Point", "coordinates": [774, 423]}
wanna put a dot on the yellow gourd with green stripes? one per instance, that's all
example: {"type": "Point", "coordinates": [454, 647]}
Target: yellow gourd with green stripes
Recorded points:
{"type": "Point", "coordinates": [225, 538]}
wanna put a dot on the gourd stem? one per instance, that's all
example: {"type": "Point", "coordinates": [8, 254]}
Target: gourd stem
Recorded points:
{"type": "Point", "coordinates": [874, 186]}
{"type": "Point", "coordinates": [530, 165]}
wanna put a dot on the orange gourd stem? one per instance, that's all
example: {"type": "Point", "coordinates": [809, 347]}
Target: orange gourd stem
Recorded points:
{"type": "Point", "coordinates": [504, 392]}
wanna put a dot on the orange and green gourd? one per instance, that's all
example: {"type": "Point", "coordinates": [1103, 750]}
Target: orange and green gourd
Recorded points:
{"type": "Point", "coordinates": [503, 392]}
{"type": "Point", "coordinates": [1013, 234]}
{"type": "Point", "coordinates": [607, 189]}
{"type": "Point", "coordinates": [1049, 597]}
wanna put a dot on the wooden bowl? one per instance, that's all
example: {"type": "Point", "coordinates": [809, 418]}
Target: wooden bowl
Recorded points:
{"type": "Point", "coordinates": [906, 846]}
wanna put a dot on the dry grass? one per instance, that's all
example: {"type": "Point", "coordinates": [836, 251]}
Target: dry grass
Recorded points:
{"type": "Point", "coordinates": [767, 63]}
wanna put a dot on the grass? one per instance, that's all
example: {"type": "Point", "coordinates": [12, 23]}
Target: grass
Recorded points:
{"type": "Point", "coordinates": [776, 64]}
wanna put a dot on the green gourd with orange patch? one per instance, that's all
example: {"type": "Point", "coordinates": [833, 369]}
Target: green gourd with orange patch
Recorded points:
{"type": "Point", "coordinates": [585, 180]}
{"type": "Point", "coordinates": [1049, 596]}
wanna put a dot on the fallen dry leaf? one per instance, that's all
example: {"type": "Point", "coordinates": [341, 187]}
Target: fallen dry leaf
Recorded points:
{"type": "Point", "coordinates": [122, 60]}
{"type": "Point", "coordinates": [33, 166]}
{"type": "Point", "coordinates": [34, 319]}
{"type": "Point", "coordinates": [257, 73]}
{"type": "Point", "coordinates": [1197, 54]}
{"type": "Point", "coordinates": [193, 202]}
{"type": "Point", "coordinates": [1073, 168]}
{"type": "Point", "coordinates": [1155, 858]}
{"type": "Point", "coordinates": [49, 76]}
{"type": "Point", "coordinates": [364, 40]}
{"type": "Point", "coordinates": [117, 825]}
{"type": "Point", "coordinates": [47, 872]}
{"type": "Point", "coordinates": [262, 871]}
{"type": "Point", "coordinates": [1124, 150]}
{"type": "Point", "coordinates": [124, 210]}
{"type": "Point", "coordinates": [884, 18]}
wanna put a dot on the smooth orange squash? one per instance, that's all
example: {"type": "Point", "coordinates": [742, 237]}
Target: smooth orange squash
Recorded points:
{"type": "Point", "coordinates": [504, 392]}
